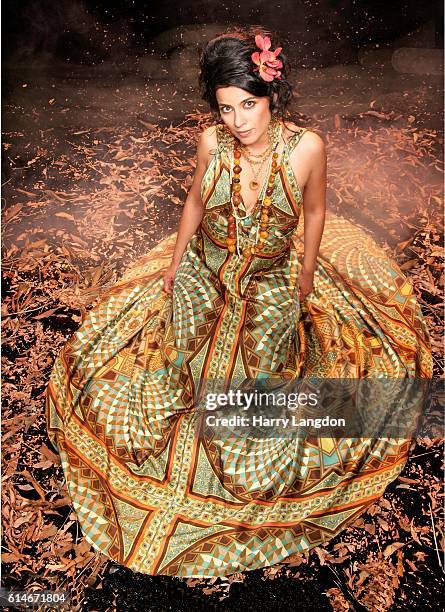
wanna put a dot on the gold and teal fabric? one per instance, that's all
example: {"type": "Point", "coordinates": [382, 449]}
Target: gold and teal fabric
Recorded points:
{"type": "Point", "coordinates": [120, 404]}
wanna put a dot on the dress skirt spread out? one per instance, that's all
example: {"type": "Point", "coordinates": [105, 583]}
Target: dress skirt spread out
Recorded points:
{"type": "Point", "coordinates": [151, 494]}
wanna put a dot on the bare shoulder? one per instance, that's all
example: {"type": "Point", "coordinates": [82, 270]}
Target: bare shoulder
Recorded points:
{"type": "Point", "coordinates": [310, 141]}
{"type": "Point", "coordinates": [209, 134]}
{"type": "Point", "coordinates": [207, 143]}
{"type": "Point", "coordinates": [308, 158]}
{"type": "Point", "coordinates": [314, 140]}
{"type": "Point", "coordinates": [313, 144]}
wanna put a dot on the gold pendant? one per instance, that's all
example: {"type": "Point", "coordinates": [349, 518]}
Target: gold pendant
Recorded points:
{"type": "Point", "coordinates": [254, 185]}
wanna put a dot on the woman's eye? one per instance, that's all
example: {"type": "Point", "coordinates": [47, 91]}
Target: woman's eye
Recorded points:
{"type": "Point", "coordinates": [226, 109]}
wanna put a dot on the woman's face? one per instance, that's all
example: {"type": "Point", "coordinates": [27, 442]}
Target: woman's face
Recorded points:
{"type": "Point", "coordinates": [243, 112]}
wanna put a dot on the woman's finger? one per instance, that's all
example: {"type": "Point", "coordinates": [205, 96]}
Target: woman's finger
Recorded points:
{"type": "Point", "coordinates": [167, 287]}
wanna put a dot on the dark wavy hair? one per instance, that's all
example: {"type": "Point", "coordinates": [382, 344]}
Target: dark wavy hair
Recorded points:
{"type": "Point", "coordinates": [226, 60]}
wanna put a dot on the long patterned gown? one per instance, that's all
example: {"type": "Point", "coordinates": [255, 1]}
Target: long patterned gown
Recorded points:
{"type": "Point", "coordinates": [159, 499]}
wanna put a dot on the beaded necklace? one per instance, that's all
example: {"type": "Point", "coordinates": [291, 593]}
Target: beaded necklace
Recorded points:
{"type": "Point", "coordinates": [264, 199]}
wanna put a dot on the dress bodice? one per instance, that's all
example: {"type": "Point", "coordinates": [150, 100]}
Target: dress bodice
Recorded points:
{"type": "Point", "coordinates": [286, 198]}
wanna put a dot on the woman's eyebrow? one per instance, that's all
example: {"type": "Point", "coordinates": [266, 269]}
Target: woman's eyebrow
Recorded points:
{"type": "Point", "coordinates": [242, 101]}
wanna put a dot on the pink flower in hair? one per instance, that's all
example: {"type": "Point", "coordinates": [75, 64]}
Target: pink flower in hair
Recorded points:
{"type": "Point", "coordinates": [267, 62]}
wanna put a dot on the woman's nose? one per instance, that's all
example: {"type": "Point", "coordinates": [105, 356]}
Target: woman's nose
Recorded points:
{"type": "Point", "coordinates": [238, 120]}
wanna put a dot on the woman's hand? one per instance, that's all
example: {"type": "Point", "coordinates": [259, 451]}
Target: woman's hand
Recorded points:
{"type": "Point", "coordinates": [169, 277]}
{"type": "Point", "coordinates": [306, 284]}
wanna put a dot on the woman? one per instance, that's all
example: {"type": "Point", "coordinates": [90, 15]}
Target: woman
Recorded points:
{"type": "Point", "coordinates": [248, 109]}
{"type": "Point", "coordinates": [243, 291]}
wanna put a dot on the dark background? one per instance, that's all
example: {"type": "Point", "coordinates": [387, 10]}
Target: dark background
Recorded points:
{"type": "Point", "coordinates": [327, 31]}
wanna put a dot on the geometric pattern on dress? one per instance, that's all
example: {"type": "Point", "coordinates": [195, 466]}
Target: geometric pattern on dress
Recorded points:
{"type": "Point", "coordinates": [155, 491]}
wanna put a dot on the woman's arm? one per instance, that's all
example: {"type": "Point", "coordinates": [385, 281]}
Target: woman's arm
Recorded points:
{"type": "Point", "coordinates": [314, 210]}
{"type": "Point", "coordinates": [314, 202]}
{"type": "Point", "coordinates": [193, 210]}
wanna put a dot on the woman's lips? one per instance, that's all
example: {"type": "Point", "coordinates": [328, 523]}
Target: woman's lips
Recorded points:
{"type": "Point", "coordinates": [245, 133]}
